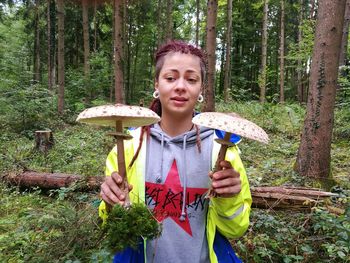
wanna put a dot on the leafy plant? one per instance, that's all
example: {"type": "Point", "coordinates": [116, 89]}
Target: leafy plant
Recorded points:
{"type": "Point", "coordinates": [126, 227]}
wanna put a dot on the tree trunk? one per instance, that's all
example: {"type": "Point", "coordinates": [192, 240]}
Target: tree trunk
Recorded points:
{"type": "Point", "coordinates": [49, 48]}
{"type": "Point", "coordinates": [77, 45]}
{"type": "Point", "coordinates": [345, 38]}
{"type": "Point", "coordinates": [209, 104]}
{"type": "Point", "coordinates": [85, 8]}
{"type": "Point", "coordinates": [197, 21]}
{"type": "Point", "coordinates": [170, 23]}
{"type": "Point", "coordinates": [95, 25]}
{"type": "Point", "coordinates": [264, 53]}
{"type": "Point", "coordinates": [134, 71]}
{"type": "Point", "coordinates": [53, 43]}
{"type": "Point", "coordinates": [60, 58]}
{"type": "Point", "coordinates": [314, 158]}
{"type": "Point", "coordinates": [282, 54]}
{"type": "Point", "coordinates": [219, 89]}
{"type": "Point", "coordinates": [118, 52]}
{"type": "Point", "coordinates": [228, 51]}
{"type": "Point", "coordinates": [36, 76]}
{"type": "Point", "coordinates": [300, 90]}
{"type": "Point", "coordinates": [126, 19]}
{"type": "Point", "coordinates": [129, 54]}
{"type": "Point", "coordinates": [159, 23]}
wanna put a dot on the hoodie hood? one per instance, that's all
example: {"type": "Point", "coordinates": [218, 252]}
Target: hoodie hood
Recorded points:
{"type": "Point", "coordinates": [190, 137]}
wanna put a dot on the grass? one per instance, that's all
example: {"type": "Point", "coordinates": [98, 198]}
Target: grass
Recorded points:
{"type": "Point", "coordinates": [62, 225]}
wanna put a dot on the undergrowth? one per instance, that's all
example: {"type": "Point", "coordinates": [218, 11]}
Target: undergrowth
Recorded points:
{"type": "Point", "coordinates": [62, 225]}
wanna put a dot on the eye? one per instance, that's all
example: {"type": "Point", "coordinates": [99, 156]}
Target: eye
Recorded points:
{"type": "Point", "coordinates": [192, 80]}
{"type": "Point", "coordinates": [170, 78]}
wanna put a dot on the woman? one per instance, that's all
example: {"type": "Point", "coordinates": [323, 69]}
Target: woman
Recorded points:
{"type": "Point", "coordinates": [169, 170]}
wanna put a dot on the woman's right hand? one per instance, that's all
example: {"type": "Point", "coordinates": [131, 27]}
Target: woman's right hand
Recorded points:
{"type": "Point", "coordinates": [113, 190]}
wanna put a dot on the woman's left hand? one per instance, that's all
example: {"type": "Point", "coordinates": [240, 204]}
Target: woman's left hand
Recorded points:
{"type": "Point", "coordinates": [226, 182]}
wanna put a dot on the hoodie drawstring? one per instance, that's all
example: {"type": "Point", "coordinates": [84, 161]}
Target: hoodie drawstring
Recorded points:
{"type": "Point", "coordinates": [159, 178]}
{"type": "Point", "coordinates": [183, 214]}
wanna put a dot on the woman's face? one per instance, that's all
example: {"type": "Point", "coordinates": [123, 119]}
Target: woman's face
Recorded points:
{"type": "Point", "coordinates": [179, 83]}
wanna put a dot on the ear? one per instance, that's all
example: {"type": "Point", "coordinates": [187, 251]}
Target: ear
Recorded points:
{"type": "Point", "coordinates": [156, 85]}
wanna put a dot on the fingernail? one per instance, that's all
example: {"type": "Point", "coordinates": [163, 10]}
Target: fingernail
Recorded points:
{"type": "Point", "coordinates": [122, 197]}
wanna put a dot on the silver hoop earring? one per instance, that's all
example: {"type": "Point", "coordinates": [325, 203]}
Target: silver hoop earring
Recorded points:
{"type": "Point", "coordinates": [156, 94]}
{"type": "Point", "coordinates": [200, 98]}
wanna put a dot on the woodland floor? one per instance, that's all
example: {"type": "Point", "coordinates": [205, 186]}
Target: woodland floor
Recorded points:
{"type": "Point", "coordinates": [62, 225]}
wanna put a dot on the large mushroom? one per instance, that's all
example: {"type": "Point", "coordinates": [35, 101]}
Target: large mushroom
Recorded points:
{"type": "Point", "coordinates": [119, 116]}
{"type": "Point", "coordinates": [230, 123]}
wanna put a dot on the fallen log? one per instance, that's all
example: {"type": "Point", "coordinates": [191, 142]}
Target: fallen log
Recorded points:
{"type": "Point", "coordinates": [54, 180]}
{"type": "Point", "coordinates": [287, 197]}
{"type": "Point", "coordinates": [297, 198]}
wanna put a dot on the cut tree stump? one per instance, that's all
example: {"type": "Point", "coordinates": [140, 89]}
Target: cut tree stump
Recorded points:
{"type": "Point", "coordinates": [295, 198]}
{"type": "Point", "coordinates": [43, 141]}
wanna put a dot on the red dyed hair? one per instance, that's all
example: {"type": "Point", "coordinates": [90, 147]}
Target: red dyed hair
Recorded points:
{"type": "Point", "coordinates": [172, 47]}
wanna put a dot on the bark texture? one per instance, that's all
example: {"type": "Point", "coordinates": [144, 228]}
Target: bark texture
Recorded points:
{"type": "Point", "coordinates": [169, 20]}
{"type": "Point", "coordinates": [118, 52]}
{"type": "Point", "coordinates": [209, 103]}
{"type": "Point", "coordinates": [53, 180]}
{"type": "Point", "coordinates": [49, 48]}
{"type": "Point", "coordinates": [264, 53]}
{"type": "Point", "coordinates": [314, 158]}
{"type": "Point", "coordinates": [60, 58]}
{"type": "Point", "coordinates": [86, 38]}
{"type": "Point", "coordinates": [37, 76]}
{"type": "Point", "coordinates": [43, 141]}
{"type": "Point", "coordinates": [345, 38]}
{"type": "Point", "coordinates": [295, 198]}
{"type": "Point", "coordinates": [299, 68]}
{"type": "Point", "coordinates": [282, 53]}
{"type": "Point", "coordinates": [228, 51]}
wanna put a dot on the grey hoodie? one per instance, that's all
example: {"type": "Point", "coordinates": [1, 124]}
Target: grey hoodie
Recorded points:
{"type": "Point", "coordinates": [176, 183]}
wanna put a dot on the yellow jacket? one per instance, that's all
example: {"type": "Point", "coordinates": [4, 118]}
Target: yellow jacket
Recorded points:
{"type": "Point", "coordinates": [230, 216]}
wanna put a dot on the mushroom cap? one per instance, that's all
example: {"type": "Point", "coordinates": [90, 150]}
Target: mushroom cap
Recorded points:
{"type": "Point", "coordinates": [232, 123]}
{"type": "Point", "coordinates": [107, 115]}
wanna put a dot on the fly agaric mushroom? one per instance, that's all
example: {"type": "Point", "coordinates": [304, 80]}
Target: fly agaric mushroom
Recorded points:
{"type": "Point", "coordinates": [119, 116]}
{"type": "Point", "coordinates": [229, 123]}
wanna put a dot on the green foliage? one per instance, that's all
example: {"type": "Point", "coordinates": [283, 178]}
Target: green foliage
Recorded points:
{"type": "Point", "coordinates": [302, 51]}
{"type": "Point", "coordinates": [35, 228]}
{"type": "Point", "coordinates": [317, 236]}
{"type": "Point", "coordinates": [61, 225]}
{"type": "Point", "coordinates": [126, 227]}
{"type": "Point", "coordinates": [78, 150]}
{"type": "Point", "coordinates": [28, 108]}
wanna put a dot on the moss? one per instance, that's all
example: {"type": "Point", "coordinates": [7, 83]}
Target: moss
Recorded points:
{"type": "Point", "coordinates": [126, 227]}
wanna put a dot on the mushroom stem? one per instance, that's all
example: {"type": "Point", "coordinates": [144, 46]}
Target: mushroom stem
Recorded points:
{"type": "Point", "coordinates": [222, 152]}
{"type": "Point", "coordinates": [121, 161]}
{"type": "Point", "coordinates": [120, 147]}
{"type": "Point", "coordinates": [221, 157]}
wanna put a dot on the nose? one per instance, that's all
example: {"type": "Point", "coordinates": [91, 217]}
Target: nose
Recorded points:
{"type": "Point", "coordinates": [180, 84]}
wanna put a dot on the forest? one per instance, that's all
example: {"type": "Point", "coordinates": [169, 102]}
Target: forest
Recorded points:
{"type": "Point", "coordinates": [282, 64]}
